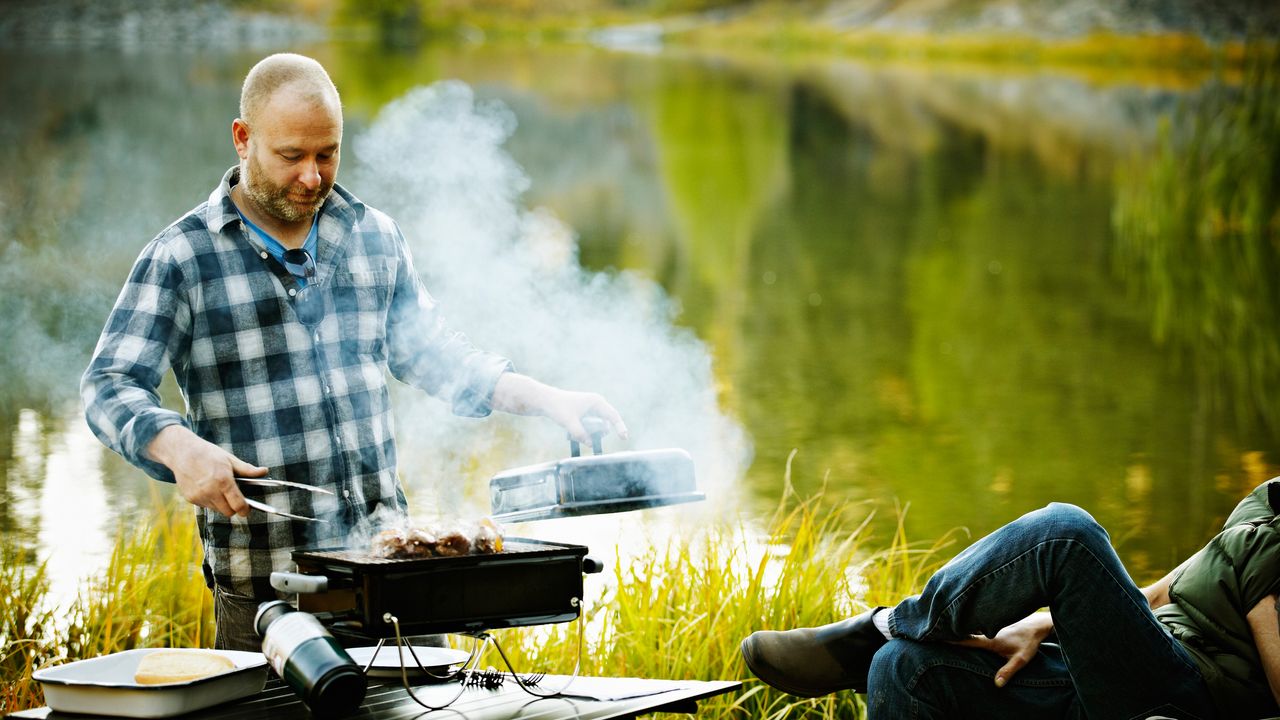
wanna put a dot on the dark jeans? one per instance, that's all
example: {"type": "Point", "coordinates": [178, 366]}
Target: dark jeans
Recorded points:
{"type": "Point", "coordinates": [1111, 658]}
{"type": "Point", "coordinates": [233, 621]}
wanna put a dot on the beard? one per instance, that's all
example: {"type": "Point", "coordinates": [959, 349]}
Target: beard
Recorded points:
{"type": "Point", "coordinates": [275, 200]}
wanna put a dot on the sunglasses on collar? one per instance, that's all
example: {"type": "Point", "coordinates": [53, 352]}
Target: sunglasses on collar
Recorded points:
{"type": "Point", "coordinates": [307, 303]}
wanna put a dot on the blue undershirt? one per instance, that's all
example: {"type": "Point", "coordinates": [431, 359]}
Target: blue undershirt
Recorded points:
{"type": "Point", "coordinates": [277, 250]}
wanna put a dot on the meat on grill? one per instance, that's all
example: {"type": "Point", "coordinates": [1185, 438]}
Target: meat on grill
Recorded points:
{"type": "Point", "coordinates": [438, 540]}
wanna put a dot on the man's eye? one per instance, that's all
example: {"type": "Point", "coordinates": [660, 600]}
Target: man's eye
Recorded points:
{"type": "Point", "coordinates": [292, 158]}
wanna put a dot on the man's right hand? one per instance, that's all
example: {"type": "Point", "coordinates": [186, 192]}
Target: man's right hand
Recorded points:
{"type": "Point", "coordinates": [205, 472]}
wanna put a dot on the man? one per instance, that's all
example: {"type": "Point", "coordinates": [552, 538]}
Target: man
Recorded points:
{"type": "Point", "coordinates": [280, 303]}
{"type": "Point", "coordinates": [1200, 643]}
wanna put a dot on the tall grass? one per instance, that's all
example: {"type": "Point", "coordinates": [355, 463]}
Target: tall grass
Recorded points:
{"type": "Point", "coordinates": [675, 611]}
{"type": "Point", "coordinates": [26, 629]}
{"type": "Point", "coordinates": [150, 594]}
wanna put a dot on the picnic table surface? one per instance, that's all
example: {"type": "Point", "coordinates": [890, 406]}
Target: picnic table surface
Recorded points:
{"type": "Point", "coordinates": [588, 698]}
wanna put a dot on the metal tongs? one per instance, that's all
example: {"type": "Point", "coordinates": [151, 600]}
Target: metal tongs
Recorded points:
{"type": "Point", "coordinates": [269, 482]}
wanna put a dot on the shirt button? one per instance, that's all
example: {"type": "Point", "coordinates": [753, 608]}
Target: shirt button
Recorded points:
{"type": "Point", "coordinates": [326, 389]}
{"type": "Point", "coordinates": [317, 337]}
{"type": "Point", "coordinates": [263, 255]}
{"type": "Point", "coordinates": [292, 292]}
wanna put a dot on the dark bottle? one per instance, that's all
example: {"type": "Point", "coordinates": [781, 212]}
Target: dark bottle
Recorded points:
{"type": "Point", "coordinates": [309, 660]}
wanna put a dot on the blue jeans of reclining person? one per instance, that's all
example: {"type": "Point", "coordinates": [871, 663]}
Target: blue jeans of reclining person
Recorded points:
{"type": "Point", "coordinates": [1110, 657]}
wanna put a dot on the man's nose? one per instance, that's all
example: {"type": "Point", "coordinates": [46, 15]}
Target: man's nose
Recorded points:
{"type": "Point", "coordinates": [309, 174]}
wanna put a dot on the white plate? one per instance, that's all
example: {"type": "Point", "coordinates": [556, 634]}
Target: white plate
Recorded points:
{"type": "Point", "coordinates": [105, 686]}
{"type": "Point", "coordinates": [436, 659]}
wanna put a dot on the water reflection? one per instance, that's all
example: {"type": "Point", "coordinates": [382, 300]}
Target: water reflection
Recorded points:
{"type": "Point", "coordinates": [55, 498]}
{"type": "Point", "coordinates": [1198, 242]}
{"type": "Point", "coordinates": [905, 273]}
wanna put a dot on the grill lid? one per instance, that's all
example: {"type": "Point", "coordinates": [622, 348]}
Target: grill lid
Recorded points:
{"type": "Point", "coordinates": [593, 485]}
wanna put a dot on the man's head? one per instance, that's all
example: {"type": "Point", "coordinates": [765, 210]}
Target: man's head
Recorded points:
{"type": "Point", "coordinates": [288, 136]}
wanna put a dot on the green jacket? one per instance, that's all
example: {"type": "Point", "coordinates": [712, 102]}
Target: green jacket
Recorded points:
{"type": "Point", "coordinates": [1214, 591]}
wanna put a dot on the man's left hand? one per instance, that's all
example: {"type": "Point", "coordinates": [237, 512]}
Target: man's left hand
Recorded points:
{"type": "Point", "coordinates": [1017, 644]}
{"type": "Point", "coordinates": [523, 395]}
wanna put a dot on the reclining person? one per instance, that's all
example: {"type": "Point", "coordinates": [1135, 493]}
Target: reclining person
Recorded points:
{"type": "Point", "coordinates": [1202, 642]}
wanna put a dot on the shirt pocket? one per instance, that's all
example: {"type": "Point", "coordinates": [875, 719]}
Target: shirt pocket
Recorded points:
{"type": "Point", "coordinates": [361, 301]}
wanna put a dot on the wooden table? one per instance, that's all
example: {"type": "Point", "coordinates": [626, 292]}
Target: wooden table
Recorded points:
{"type": "Point", "coordinates": [389, 701]}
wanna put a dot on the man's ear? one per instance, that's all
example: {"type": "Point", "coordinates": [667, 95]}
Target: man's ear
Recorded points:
{"type": "Point", "coordinates": [240, 137]}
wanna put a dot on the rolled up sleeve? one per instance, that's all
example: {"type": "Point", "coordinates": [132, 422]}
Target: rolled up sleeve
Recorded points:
{"type": "Point", "coordinates": [146, 329]}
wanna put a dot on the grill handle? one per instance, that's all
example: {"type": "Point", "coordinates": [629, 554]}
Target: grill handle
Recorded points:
{"type": "Point", "coordinates": [597, 428]}
{"type": "Point", "coordinates": [291, 582]}
{"type": "Point", "coordinates": [591, 566]}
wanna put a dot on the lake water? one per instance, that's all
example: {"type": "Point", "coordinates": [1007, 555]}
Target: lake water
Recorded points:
{"type": "Point", "coordinates": [907, 273]}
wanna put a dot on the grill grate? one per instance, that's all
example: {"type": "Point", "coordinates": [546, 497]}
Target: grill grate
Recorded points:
{"type": "Point", "coordinates": [511, 548]}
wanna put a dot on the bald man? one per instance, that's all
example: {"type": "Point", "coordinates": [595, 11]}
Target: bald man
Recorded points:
{"type": "Point", "coordinates": [280, 303]}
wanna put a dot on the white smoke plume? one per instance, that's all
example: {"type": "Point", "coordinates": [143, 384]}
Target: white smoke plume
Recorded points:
{"type": "Point", "coordinates": [509, 278]}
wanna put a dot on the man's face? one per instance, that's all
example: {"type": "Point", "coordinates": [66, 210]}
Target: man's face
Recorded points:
{"type": "Point", "coordinates": [291, 155]}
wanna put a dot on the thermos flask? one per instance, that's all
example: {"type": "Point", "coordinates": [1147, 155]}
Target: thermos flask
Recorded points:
{"type": "Point", "coordinates": [309, 660]}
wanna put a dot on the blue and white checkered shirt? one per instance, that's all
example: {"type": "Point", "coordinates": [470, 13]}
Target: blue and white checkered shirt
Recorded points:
{"type": "Point", "coordinates": [206, 299]}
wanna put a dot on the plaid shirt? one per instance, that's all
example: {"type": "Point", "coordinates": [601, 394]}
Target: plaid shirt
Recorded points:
{"type": "Point", "coordinates": [207, 300]}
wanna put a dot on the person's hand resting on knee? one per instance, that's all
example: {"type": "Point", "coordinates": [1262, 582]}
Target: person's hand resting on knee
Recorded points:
{"type": "Point", "coordinates": [1017, 644]}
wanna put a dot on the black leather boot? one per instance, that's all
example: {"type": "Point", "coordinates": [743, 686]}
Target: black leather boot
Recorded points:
{"type": "Point", "coordinates": [811, 662]}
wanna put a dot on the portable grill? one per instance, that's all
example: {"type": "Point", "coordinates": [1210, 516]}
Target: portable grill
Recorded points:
{"type": "Point", "coordinates": [361, 597]}
{"type": "Point", "coordinates": [531, 582]}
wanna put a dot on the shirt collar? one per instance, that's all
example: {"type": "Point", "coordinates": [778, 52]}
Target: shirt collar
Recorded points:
{"type": "Point", "coordinates": [221, 211]}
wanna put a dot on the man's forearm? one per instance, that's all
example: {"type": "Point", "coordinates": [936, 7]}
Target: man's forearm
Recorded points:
{"type": "Point", "coordinates": [520, 394]}
{"type": "Point", "coordinates": [1265, 626]}
{"type": "Point", "coordinates": [1157, 593]}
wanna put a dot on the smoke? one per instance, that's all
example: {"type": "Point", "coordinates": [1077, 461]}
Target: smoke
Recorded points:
{"type": "Point", "coordinates": [509, 277]}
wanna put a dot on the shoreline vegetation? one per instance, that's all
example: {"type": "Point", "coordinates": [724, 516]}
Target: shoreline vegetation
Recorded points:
{"type": "Point", "coordinates": [675, 611]}
{"type": "Point", "coordinates": [1102, 45]}
{"type": "Point", "coordinates": [1159, 55]}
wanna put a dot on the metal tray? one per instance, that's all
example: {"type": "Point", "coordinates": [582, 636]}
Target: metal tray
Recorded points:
{"type": "Point", "coordinates": [105, 686]}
